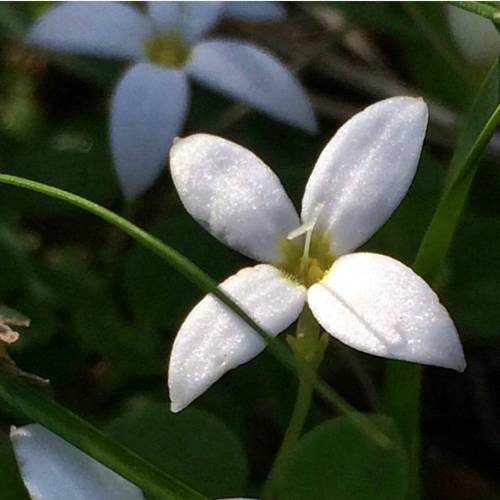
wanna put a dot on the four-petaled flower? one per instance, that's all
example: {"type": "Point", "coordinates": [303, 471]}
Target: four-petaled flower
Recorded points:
{"type": "Point", "coordinates": [150, 102]}
{"type": "Point", "coordinates": [370, 302]}
{"type": "Point", "coordinates": [53, 469]}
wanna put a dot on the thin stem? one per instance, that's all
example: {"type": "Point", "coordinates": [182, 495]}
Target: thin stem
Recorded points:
{"type": "Point", "coordinates": [35, 407]}
{"type": "Point", "coordinates": [203, 281]}
{"type": "Point", "coordinates": [480, 8]}
{"type": "Point", "coordinates": [292, 434]}
{"type": "Point", "coordinates": [309, 346]}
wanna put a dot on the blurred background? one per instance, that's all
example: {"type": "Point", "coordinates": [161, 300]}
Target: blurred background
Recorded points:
{"type": "Point", "coordinates": [104, 312]}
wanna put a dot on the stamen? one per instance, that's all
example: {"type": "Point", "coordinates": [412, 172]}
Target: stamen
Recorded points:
{"type": "Point", "coordinates": [307, 229]}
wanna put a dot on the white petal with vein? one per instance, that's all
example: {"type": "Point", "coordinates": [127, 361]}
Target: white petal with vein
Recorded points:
{"type": "Point", "coordinates": [378, 305]}
{"type": "Point", "coordinates": [365, 171]}
{"type": "Point", "coordinates": [53, 469]}
{"type": "Point", "coordinates": [233, 194]}
{"type": "Point", "coordinates": [213, 339]}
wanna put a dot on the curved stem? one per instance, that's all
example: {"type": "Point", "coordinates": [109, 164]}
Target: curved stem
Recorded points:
{"type": "Point", "coordinates": [203, 281]}
{"type": "Point", "coordinates": [35, 407]}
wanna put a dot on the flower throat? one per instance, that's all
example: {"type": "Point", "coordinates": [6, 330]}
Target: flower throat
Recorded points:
{"type": "Point", "coordinates": [306, 253]}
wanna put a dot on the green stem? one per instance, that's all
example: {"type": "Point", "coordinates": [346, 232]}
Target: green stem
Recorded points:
{"type": "Point", "coordinates": [35, 407]}
{"type": "Point", "coordinates": [481, 9]}
{"type": "Point", "coordinates": [309, 347]}
{"type": "Point", "coordinates": [292, 434]}
{"type": "Point", "coordinates": [199, 278]}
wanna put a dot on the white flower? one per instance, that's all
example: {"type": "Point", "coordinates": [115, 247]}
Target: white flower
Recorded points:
{"type": "Point", "coordinates": [370, 302]}
{"type": "Point", "coordinates": [53, 469]}
{"type": "Point", "coordinates": [165, 47]}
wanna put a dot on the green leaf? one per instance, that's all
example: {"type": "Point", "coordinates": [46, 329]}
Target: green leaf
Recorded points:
{"type": "Point", "coordinates": [337, 461]}
{"type": "Point", "coordinates": [194, 446]}
{"type": "Point", "coordinates": [472, 142]}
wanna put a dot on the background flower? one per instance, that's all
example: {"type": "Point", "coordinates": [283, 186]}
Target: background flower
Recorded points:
{"type": "Point", "coordinates": [52, 468]}
{"type": "Point", "coordinates": [166, 46]}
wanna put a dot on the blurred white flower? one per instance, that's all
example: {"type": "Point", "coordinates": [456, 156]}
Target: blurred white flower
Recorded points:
{"type": "Point", "coordinates": [166, 46]}
{"type": "Point", "coordinates": [370, 302]}
{"type": "Point", "coordinates": [476, 37]}
{"type": "Point", "coordinates": [53, 469]}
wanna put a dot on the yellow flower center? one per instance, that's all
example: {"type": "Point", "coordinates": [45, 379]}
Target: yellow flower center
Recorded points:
{"type": "Point", "coordinates": [307, 258]}
{"type": "Point", "coordinates": [167, 50]}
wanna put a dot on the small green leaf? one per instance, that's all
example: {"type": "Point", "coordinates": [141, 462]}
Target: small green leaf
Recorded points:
{"type": "Point", "coordinates": [337, 461]}
{"type": "Point", "coordinates": [194, 446]}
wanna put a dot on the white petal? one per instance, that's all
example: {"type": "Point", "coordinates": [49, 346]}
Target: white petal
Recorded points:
{"type": "Point", "coordinates": [365, 171]}
{"type": "Point", "coordinates": [476, 36]}
{"type": "Point", "coordinates": [105, 29]}
{"type": "Point", "coordinates": [378, 305]}
{"type": "Point", "coordinates": [213, 339]}
{"type": "Point", "coordinates": [233, 194]}
{"type": "Point", "coordinates": [192, 19]}
{"type": "Point", "coordinates": [249, 74]}
{"type": "Point", "coordinates": [254, 11]}
{"type": "Point", "coordinates": [53, 469]}
{"type": "Point", "coordinates": [148, 110]}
